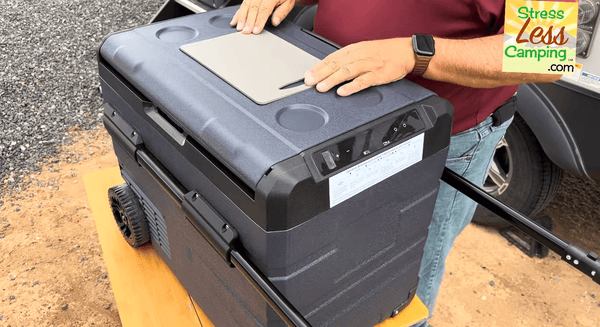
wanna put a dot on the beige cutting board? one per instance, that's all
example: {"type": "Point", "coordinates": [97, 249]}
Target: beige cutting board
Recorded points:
{"type": "Point", "coordinates": [260, 66]}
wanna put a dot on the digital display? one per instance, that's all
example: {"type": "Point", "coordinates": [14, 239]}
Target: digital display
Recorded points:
{"type": "Point", "coordinates": [425, 46]}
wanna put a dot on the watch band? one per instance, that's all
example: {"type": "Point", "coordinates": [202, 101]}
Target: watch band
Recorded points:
{"type": "Point", "coordinates": [424, 49]}
{"type": "Point", "coordinates": [421, 64]}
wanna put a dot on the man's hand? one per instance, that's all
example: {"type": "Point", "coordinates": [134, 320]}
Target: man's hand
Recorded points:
{"type": "Point", "coordinates": [365, 63]}
{"type": "Point", "coordinates": [253, 14]}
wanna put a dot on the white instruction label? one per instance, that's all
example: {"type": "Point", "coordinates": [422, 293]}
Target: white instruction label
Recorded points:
{"type": "Point", "coordinates": [368, 173]}
{"type": "Point", "coordinates": [590, 79]}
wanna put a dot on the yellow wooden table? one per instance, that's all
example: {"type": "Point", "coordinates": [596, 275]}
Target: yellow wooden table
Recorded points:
{"type": "Point", "coordinates": [146, 291]}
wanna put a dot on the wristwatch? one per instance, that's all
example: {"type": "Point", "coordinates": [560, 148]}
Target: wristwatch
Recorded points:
{"type": "Point", "coordinates": [424, 48]}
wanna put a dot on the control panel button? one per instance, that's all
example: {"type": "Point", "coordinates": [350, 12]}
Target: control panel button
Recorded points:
{"type": "Point", "coordinates": [328, 159]}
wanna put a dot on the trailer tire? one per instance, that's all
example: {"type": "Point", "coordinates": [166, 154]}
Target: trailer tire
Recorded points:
{"type": "Point", "coordinates": [129, 215]}
{"type": "Point", "coordinates": [532, 178]}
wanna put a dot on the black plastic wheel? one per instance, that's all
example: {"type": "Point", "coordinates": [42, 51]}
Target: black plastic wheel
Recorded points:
{"type": "Point", "coordinates": [521, 175]}
{"type": "Point", "coordinates": [129, 215]}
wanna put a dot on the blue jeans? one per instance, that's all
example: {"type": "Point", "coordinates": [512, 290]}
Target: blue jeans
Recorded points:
{"type": "Point", "coordinates": [470, 155]}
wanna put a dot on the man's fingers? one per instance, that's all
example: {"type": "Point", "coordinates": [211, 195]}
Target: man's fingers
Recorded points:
{"type": "Point", "coordinates": [264, 11]}
{"type": "Point", "coordinates": [239, 19]}
{"type": "Point", "coordinates": [344, 73]}
{"type": "Point", "coordinates": [322, 70]}
{"type": "Point", "coordinates": [282, 11]}
{"type": "Point", "coordinates": [360, 83]}
{"type": "Point", "coordinates": [330, 64]}
{"type": "Point", "coordinates": [253, 7]}
{"type": "Point", "coordinates": [253, 15]}
{"type": "Point", "coordinates": [234, 20]}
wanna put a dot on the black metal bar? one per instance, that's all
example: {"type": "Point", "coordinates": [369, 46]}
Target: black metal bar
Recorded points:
{"type": "Point", "coordinates": [276, 300]}
{"type": "Point", "coordinates": [588, 263]}
{"type": "Point", "coordinates": [161, 175]}
{"type": "Point", "coordinates": [496, 206]}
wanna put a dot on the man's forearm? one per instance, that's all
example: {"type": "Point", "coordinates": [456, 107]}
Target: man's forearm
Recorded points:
{"type": "Point", "coordinates": [476, 63]}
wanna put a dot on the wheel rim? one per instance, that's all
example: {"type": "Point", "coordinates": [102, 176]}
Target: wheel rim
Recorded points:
{"type": "Point", "coordinates": [121, 218]}
{"type": "Point", "coordinates": [499, 174]}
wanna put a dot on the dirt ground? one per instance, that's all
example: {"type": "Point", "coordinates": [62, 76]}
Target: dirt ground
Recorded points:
{"type": "Point", "coordinates": [52, 272]}
{"type": "Point", "coordinates": [51, 267]}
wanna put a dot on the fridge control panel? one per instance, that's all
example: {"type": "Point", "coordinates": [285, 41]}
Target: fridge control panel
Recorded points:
{"type": "Point", "coordinates": [354, 148]}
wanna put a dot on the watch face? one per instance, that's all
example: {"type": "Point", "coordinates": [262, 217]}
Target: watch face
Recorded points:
{"type": "Point", "coordinates": [424, 45]}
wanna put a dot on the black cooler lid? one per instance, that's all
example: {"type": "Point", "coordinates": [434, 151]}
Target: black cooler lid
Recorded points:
{"type": "Point", "coordinates": [247, 137]}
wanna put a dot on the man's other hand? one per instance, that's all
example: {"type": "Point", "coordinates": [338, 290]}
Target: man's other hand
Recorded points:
{"type": "Point", "coordinates": [366, 63]}
{"type": "Point", "coordinates": [253, 14]}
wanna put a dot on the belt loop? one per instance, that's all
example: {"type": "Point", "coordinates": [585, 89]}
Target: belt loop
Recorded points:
{"type": "Point", "coordinates": [483, 132]}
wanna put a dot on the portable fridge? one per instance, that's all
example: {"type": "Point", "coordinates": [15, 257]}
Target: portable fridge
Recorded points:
{"type": "Point", "coordinates": [330, 198]}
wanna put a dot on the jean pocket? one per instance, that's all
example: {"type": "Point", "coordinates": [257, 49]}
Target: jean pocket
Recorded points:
{"type": "Point", "coordinates": [457, 160]}
{"type": "Point", "coordinates": [459, 164]}
{"type": "Point", "coordinates": [463, 145]}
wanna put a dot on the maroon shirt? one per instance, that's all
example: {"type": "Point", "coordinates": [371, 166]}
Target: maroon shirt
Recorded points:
{"type": "Point", "coordinates": [351, 21]}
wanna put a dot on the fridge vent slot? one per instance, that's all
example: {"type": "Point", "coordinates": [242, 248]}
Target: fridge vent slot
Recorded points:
{"type": "Point", "coordinates": [156, 221]}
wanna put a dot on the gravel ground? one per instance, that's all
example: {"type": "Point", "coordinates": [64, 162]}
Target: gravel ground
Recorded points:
{"type": "Point", "coordinates": [48, 74]}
